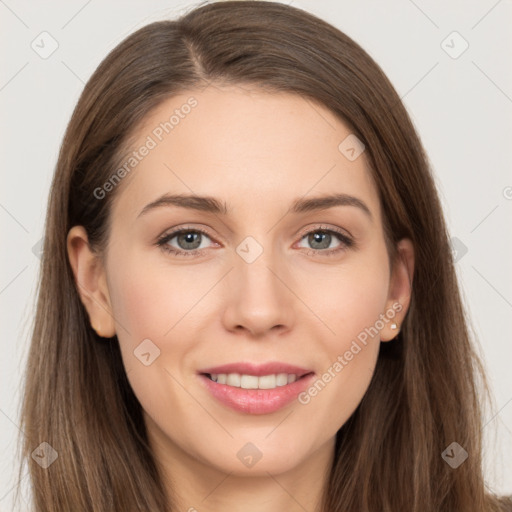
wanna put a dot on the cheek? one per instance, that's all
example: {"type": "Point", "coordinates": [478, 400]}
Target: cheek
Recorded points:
{"type": "Point", "coordinates": [152, 301]}
{"type": "Point", "coordinates": [141, 313]}
{"type": "Point", "coordinates": [149, 299]}
{"type": "Point", "coordinates": [137, 304]}
{"type": "Point", "coordinates": [359, 309]}
{"type": "Point", "coordinates": [148, 305]}
{"type": "Point", "coordinates": [353, 307]}
{"type": "Point", "coordinates": [352, 302]}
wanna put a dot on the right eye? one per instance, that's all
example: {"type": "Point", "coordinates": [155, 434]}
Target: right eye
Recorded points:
{"type": "Point", "coordinates": [189, 242]}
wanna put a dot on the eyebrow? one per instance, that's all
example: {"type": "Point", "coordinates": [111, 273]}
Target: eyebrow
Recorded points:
{"type": "Point", "coordinates": [213, 205]}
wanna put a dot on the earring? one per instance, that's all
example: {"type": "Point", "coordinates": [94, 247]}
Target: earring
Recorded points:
{"type": "Point", "coordinates": [393, 326]}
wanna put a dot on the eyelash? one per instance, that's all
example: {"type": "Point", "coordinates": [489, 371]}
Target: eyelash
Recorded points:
{"type": "Point", "coordinates": [346, 242]}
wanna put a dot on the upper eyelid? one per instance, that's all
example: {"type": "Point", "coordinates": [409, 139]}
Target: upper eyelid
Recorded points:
{"type": "Point", "coordinates": [175, 232]}
{"type": "Point", "coordinates": [323, 227]}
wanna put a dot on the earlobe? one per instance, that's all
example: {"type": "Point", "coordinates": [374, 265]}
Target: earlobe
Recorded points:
{"type": "Point", "coordinates": [91, 282]}
{"type": "Point", "coordinates": [400, 289]}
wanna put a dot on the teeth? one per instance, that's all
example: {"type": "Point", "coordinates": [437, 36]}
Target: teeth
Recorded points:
{"type": "Point", "coordinates": [249, 381]}
{"type": "Point", "coordinates": [281, 379]}
{"type": "Point", "coordinates": [253, 382]}
{"type": "Point", "coordinates": [266, 381]}
{"type": "Point", "coordinates": [233, 379]}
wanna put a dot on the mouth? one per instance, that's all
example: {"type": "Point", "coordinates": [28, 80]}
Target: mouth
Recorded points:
{"type": "Point", "coordinates": [247, 381]}
{"type": "Point", "coordinates": [252, 389]}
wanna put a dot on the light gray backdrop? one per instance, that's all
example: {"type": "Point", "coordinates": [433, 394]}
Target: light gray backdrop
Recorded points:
{"type": "Point", "coordinates": [450, 62]}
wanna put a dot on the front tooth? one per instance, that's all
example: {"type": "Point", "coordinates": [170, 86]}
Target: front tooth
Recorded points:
{"type": "Point", "coordinates": [233, 379]}
{"type": "Point", "coordinates": [282, 379]}
{"type": "Point", "coordinates": [249, 382]}
{"type": "Point", "coordinates": [252, 381]}
{"type": "Point", "coordinates": [267, 382]}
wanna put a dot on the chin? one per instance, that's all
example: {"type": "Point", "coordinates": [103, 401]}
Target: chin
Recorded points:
{"type": "Point", "coordinates": [274, 464]}
{"type": "Point", "coordinates": [259, 457]}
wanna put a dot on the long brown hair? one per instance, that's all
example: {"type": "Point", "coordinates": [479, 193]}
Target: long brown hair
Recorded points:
{"type": "Point", "coordinates": [426, 390]}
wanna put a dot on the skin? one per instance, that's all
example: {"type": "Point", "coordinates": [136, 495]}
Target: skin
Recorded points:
{"type": "Point", "coordinates": [258, 152]}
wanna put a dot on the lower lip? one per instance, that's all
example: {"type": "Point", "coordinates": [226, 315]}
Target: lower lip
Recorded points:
{"type": "Point", "coordinates": [257, 401]}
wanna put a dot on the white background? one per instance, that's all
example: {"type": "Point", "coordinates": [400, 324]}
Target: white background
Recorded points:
{"type": "Point", "coordinates": [461, 107]}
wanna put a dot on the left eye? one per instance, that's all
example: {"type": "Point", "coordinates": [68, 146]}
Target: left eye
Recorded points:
{"type": "Point", "coordinates": [321, 239]}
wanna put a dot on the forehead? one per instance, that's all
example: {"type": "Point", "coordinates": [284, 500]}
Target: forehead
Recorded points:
{"type": "Point", "coordinates": [247, 146]}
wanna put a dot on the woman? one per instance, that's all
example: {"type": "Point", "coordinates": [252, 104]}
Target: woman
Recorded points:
{"type": "Point", "coordinates": [248, 299]}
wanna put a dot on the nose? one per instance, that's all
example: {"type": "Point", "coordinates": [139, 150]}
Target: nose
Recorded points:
{"type": "Point", "coordinates": [260, 297]}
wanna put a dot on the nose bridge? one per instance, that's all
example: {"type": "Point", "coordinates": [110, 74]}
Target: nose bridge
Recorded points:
{"type": "Point", "coordinates": [259, 299]}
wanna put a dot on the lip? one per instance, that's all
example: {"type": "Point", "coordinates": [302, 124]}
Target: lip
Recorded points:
{"type": "Point", "coordinates": [257, 370]}
{"type": "Point", "coordinates": [257, 401]}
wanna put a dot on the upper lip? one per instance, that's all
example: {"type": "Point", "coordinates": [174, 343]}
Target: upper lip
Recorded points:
{"type": "Point", "coordinates": [257, 369]}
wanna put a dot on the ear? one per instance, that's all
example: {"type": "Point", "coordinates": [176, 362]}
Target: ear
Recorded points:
{"type": "Point", "coordinates": [400, 288]}
{"type": "Point", "coordinates": [91, 282]}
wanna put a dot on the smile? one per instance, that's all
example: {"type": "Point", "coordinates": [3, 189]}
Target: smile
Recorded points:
{"type": "Point", "coordinates": [253, 394]}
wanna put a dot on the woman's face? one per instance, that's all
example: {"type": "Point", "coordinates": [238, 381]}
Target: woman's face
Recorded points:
{"type": "Point", "coordinates": [275, 278]}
